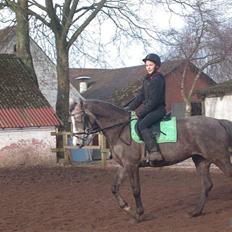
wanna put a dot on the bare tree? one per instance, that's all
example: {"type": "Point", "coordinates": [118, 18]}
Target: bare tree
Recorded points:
{"type": "Point", "coordinates": [22, 33]}
{"type": "Point", "coordinates": [70, 19]}
{"type": "Point", "coordinates": [222, 71]}
{"type": "Point", "coordinates": [201, 42]}
{"type": "Point", "coordinates": [23, 39]}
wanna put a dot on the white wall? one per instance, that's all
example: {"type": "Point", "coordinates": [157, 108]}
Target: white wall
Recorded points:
{"type": "Point", "coordinates": [30, 146]}
{"type": "Point", "coordinates": [45, 70]}
{"type": "Point", "coordinates": [219, 107]}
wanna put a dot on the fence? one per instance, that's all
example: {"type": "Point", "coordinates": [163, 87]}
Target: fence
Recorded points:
{"type": "Point", "coordinates": [65, 149]}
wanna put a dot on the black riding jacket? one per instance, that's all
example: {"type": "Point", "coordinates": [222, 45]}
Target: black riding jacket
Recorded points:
{"type": "Point", "coordinates": [152, 95]}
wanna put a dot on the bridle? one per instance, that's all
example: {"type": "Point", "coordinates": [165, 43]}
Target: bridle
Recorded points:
{"type": "Point", "coordinates": [94, 128]}
{"type": "Point", "coordinates": [84, 120]}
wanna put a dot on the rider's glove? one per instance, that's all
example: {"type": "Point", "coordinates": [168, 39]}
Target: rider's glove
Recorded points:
{"type": "Point", "coordinates": [127, 108]}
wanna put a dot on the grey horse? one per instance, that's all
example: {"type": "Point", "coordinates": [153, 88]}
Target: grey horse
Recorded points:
{"type": "Point", "coordinates": [206, 140]}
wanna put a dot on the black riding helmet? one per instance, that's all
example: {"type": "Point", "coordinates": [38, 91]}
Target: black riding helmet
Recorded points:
{"type": "Point", "coordinates": [154, 58]}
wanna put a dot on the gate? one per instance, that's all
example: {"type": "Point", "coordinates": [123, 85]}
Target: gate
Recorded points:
{"type": "Point", "coordinates": [65, 149]}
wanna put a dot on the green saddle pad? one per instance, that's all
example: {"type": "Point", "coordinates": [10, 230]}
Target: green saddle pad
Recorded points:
{"type": "Point", "coordinates": [168, 127]}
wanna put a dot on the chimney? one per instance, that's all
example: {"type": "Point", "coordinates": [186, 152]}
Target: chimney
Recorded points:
{"type": "Point", "coordinates": [83, 83]}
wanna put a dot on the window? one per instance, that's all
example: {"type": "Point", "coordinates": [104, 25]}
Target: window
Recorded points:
{"type": "Point", "coordinates": [196, 108]}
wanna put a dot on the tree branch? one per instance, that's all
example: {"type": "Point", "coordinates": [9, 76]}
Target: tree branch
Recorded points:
{"type": "Point", "coordinates": [55, 21]}
{"type": "Point", "coordinates": [68, 16]}
{"type": "Point", "coordinates": [35, 3]}
{"type": "Point", "coordinates": [66, 10]}
{"type": "Point", "coordinates": [100, 5]}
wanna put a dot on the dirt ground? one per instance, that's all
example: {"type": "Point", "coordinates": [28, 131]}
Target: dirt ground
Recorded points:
{"type": "Point", "coordinates": [79, 199]}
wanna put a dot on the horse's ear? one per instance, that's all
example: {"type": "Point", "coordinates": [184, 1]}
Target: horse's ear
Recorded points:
{"type": "Point", "coordinates": [72, 104]}
{"type": "Point", "coordinates": [81, 103]}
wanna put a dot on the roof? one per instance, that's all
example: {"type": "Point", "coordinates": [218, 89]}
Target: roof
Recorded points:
{"type": "Point", "coordinates": [219, 89]}
{"type": "Point", "coordinates": [108, 79]}
{"type": "Point", "coordinates": [112, 80]}
{"type": "Point", "coordinates": [107, 84]}
{"type": "Point", "coordinates": [6, 35]}
{"type": "Point", "coordinates": [21, 102]}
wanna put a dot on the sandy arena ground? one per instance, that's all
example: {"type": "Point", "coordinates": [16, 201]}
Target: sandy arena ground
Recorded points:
{"type": "Point", "coordinates": [79, 199]}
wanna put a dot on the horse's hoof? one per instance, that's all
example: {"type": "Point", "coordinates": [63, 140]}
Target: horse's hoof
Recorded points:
{"type": "Point", "coordinates": [149, 217]}
{"type": "Point", "coordinates": [194, 213]}
{"type": "Point", "coordinates": [133, 221]}
{"type": "Point", "coordinates": [139, 218]}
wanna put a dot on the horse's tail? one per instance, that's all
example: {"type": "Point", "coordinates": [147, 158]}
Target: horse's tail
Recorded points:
{"type": "Point", "coordinates": [228, 127]}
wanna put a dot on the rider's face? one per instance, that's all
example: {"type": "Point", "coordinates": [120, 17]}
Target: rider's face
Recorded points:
{"type": "Point", "coordinates": [150, 66]}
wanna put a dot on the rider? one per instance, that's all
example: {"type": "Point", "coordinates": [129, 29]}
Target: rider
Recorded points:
{"type": "Point", "coordinates": [152, 95]}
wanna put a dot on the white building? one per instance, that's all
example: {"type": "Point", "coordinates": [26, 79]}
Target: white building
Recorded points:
{"type": "Point", "coordinates": [218, 100]}
{"type": "Point", "coordinates": [26, 117]}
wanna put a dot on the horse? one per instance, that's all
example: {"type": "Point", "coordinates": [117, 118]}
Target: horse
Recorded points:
{"type": "Point", "coordinates": [204, 139]}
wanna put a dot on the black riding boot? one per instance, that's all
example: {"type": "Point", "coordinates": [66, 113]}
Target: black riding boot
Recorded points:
{"type": "Point", "coordinates": [151, 146]}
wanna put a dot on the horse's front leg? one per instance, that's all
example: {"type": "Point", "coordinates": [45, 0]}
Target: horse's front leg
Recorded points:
{"type": "Point", "coordinates": [119, 177]}
{"type": "Point", "coordinates": [133, 173]}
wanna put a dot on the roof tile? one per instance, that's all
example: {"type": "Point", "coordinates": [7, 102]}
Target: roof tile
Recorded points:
{"type": "Point", "coordinates": [21, 102]}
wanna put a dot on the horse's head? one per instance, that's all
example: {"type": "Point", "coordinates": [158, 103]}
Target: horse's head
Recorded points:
{"type": "Point", "coordinates": [81, 123]}
{"type": "Point", "coordinates": [92, 116]}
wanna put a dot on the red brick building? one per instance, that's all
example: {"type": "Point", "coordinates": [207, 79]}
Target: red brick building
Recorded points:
{"type": "Point", "coordinates": [120, 85]}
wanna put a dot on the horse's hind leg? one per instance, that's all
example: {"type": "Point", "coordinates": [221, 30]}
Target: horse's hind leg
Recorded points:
{"type": "Point", "coordinates": [202, 167]}
{"type": "Point", "coordinates": [225, 165]}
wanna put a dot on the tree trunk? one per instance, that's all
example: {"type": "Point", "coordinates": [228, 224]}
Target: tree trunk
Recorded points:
{"type": "Point", "coordinates": [62, 104]}
{"type": "Point", "coordinates": [23, 38]}
{"type": "Point", "coordinates": [183, 91]}
{"type": "Point", "coordinates": [188, 108]}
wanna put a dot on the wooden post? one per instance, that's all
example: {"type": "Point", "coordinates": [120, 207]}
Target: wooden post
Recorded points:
{"type": "Point", "coordinates": [104, 151]}
{"type": "Point", "coordinates": [67, 159]}
{"type": "Point", "coordinates": [63, 149]}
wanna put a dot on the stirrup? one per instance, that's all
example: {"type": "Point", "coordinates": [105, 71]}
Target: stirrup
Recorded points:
{"type": "Point", "coordinates": [144, 163]}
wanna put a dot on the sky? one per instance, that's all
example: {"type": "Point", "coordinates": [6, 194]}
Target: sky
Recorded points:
{"type": "Point", "coordinates": [131, 53]}
{"type": "Point", "coordinates": [135, 53]}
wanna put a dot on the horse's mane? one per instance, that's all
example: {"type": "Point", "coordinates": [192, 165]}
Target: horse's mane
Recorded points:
{"type": "Point", "coordinates": [107, 107]}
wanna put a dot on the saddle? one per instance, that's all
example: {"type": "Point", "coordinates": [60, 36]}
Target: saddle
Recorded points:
{"type": "Point", "coordinates": [155, 129]}
{"type": "Point", "coordinates": [163, 131]}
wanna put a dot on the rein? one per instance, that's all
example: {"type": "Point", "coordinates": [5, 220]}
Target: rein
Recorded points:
{"type": "Point", "coordinates": [95, 129]}
{"type": "Point", "coordinates": [89, 131]}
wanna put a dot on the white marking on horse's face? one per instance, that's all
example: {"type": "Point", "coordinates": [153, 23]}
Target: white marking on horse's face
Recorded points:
{"type": "Point", "coordinates": [75, 141]}
{"type": "Point", "coordinates": [77, 126]}
{"type": "Point", "coordinates": [75, 129]}
{"type": "Point", "coordinates": [77, 116]}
